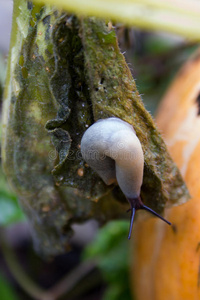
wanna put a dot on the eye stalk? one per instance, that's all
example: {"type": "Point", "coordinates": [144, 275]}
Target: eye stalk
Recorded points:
{"type": "Point", "coordinates": [136, 204]}
{"type": "Point", "coordinates": [112, 149]}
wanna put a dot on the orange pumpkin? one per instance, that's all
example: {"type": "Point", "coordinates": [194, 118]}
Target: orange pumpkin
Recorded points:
{"type": "Point", "coordinates": [166, 260]}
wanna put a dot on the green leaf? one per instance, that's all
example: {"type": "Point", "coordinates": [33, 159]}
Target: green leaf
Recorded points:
{"type": "Point", "coordinates": [111, 252]}
{"type": "Point", "coordinates": [10, 211]}
{"type": "Point", "coordinates": [178, 17]}
{"type": "Point", "coordinates": [6, 291]}
{"type": "Point", "coordinates": [109, 236]}
{"type": "Point", "coordinates": [116, 292]}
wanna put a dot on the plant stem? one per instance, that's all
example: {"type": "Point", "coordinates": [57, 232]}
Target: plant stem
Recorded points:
{"type": "Point", "coordinates": [18, 273]}
{"type": "Point", "coordinates": [177, 17]}
{"type": "Point", "coordinates": [65, 285]}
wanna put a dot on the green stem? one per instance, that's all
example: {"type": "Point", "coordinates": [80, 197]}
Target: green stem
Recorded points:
{"type": "Point", "coordinates": [145, 14]}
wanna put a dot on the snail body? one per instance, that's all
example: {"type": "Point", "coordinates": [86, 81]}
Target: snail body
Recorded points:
{"type": "Point", "coordinates": [112, 149]}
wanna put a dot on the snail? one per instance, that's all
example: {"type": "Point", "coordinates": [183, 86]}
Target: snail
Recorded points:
{"type": "Point", "coordinates": [112, 149]}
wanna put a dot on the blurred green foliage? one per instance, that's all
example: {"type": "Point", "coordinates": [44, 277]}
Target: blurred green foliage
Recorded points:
{"type": "Point", "coordinates": [6, 290]}
{"type": "Point", "coordinates": [10, 212]}
{"type": "Point", "coordinates": [110, 250]}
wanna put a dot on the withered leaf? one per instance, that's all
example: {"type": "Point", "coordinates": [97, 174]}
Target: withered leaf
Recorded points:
{"type": "Point", "coordinates": [64, 73]}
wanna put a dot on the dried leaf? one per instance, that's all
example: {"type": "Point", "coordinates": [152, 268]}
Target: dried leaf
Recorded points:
{"type": "Point", "coordinates": [64, 73]}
